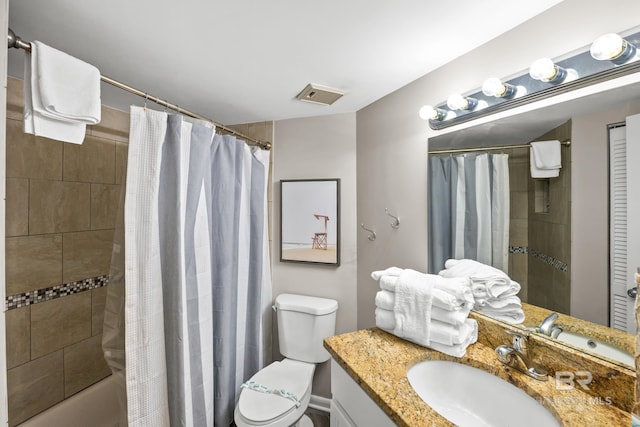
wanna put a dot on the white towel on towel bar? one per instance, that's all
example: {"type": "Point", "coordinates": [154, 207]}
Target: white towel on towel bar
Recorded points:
{"type": "Point", "coordinates": [545, 159]}
{"type": "Point", "coordinates": [61, 94]}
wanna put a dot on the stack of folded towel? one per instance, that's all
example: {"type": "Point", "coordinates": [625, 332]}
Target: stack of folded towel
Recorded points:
{"type": "Point", "coordinates": [494, 292]}
{"type": "Point", "coordinates": [61, 94]}
{"type": "Point", "coordinates": [426, 309]}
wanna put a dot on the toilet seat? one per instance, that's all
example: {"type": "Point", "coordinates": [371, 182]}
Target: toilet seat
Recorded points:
{"type": "Point", "coordinates": [261, 409]}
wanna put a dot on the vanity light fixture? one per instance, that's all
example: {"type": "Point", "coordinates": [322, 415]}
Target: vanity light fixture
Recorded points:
{"type": "Point", "coordinates": [459, 102]}
{"type": "Point", "coordinates": [493, 86]}
{"type": "Point", "coordinates": [615, 56]}
{"type": "Point", "coordinates": [612, 47]}
{"type": "Point", "coordinates": [545, 70]}
{"type": "Point", "coordinates": [428, 112]}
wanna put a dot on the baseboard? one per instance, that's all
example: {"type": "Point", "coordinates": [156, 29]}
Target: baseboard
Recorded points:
{"type": "Point", "coordinates": [320, 403]}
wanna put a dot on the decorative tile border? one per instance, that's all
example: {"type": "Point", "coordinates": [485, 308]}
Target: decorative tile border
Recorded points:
{"type": "Point", "coordinates": [518, 249]}
{"type": "Point", "coordinates": [47, 294]}
{"type": "Point", "coordinates": [555, 263]}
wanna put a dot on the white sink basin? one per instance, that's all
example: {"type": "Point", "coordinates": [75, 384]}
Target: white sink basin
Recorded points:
{"type": "Point", "coordinates": [471, 397]}
{"type": "Point", "coordinates": [597, 347]}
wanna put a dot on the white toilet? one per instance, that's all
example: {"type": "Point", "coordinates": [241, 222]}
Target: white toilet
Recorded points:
{"type": "Point", "coordinates": [279, 394]}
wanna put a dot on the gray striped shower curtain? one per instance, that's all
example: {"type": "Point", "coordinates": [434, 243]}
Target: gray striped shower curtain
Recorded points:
{"type": "Point", "coordinates": [191, 291]}
{"type": "Point", "coordinates": [468, 209]}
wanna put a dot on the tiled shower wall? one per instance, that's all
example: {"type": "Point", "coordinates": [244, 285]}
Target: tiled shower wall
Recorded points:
{"type": "Point", "coordinates": [549, 276]}
{"type": "Point", "coordinates": [62, 201]}
{"type": "Point", "coordinates": [540, 242]}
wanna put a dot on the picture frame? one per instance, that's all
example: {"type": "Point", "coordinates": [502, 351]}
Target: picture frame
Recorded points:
{"type": "Point", "coordinates": [310, 221]}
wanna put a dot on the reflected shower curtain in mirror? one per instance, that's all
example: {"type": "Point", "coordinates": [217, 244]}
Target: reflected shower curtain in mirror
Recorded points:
{"type": "Point", "coordinates": [468, 209]}
{"type": "Point", "coordinates": [197, 291]}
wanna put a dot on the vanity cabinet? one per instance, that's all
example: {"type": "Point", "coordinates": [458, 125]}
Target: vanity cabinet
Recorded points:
{"type": "Point", "coordinates": [350, 405]}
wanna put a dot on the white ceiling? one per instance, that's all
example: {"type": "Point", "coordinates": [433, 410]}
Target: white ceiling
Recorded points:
{"type": "Point", "coordinates": [239, 61]}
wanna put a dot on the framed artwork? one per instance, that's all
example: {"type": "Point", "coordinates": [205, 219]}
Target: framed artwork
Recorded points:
{"type": "Point", "coordinates": [310, 221]}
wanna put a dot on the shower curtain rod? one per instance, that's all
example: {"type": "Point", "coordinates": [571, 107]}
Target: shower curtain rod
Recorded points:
{"type": "Point", "coordinates": [16, 42]}
{"type": "Point", "coordinates": [504, 147]}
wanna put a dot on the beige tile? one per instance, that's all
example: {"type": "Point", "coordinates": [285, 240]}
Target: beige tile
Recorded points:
{"type": "Point", "coordinates": [86, 254]}
{"type": "Point", "coordinates": [84, 365]}
{"type": "Point", "coordinates": [32, 157]}
{"type": "Point", "coordinates": [93, 161]}
{"type": "Point", "coordinates": [257, 130]}
{"type": "Point", "coordinates": [105, 204]}
{"type": "Point", "coordinates": [58, 206]}
{"type": "Point", "coordinates": [35, 386]}
{"type": "Point", "coordinates": [15, 98]}
{"type": "Point", "coordinates": [114, 124]}
{"type": "Point", "coordinates": [60, 322]}
{"type": "Point", "coordinates": [17, 219]}
{"type": "Point", "coordinates": [121, 162]}
{"type": "Point", "coordinates": [33, 262]}
{"type": "Point", "coordinates": [98, 300]}
{"type": "Point", "coordinates": [18, 336]}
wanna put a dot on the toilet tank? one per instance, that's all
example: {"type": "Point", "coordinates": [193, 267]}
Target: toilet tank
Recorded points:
{"type": "Point", "coordinates": [303, 322]}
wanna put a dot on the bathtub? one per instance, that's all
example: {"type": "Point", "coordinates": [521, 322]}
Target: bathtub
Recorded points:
{"type": "Point", "coordinates": [95, 406]}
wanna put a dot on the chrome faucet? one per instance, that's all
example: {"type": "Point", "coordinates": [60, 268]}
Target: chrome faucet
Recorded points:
{"type": "Point", "coordinates": [548, 327]}
{"type": "Point", "coordinates": [517, 356]}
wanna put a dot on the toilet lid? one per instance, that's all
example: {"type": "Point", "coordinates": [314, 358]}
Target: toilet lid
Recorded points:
{"type": "Point", "coordinates": [292, 376]}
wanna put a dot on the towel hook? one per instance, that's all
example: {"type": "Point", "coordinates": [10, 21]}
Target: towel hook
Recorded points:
{"type": "Point", "coordinates": [395, 224]}
{"type": "Point", "coordinates": [372, 234]}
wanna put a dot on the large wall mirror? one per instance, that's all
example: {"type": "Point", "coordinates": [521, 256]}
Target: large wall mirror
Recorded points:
{"type": "Point", "coordinates": [563, 231]}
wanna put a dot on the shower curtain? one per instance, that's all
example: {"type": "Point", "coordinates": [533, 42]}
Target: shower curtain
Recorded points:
{"type": "Point", "coordinates": [468, 209]}
{"type": "Point", "coordinates": [192, 279]}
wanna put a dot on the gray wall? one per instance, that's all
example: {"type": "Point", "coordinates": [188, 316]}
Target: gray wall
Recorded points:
{"type": "Point", "coordinates": [319, 147]}
{"type": "Point", "coordinates": [590, 189]}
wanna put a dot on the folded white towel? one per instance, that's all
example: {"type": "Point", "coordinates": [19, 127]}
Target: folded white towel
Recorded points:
{"type": "Point", "coordinates": [447, 294]}
{"type": "Point", "coordinates": [468, 337]}
{"type": "Point", "coordinates": [505, 304]}
{"type": "Point", "coordinates": [391, 271]}
{"type": "Point", "coordinates": [385, 319]}
{"type": "Point", "coordinates": [385, 300]}
{"type": "Point", "coordinates": [446, 334]}
{"type": "Point", "coordinates": [388, 283]}
{"type": "Point", "coordinates": [412, 308]}
{"type": "Point", "coordinates": [459, 350]}
{"type": "Point", "coordinates": [514, 317]}
{"type": "Point", "coordinates": [545, 159]}
{"type": "Point", "coordinates": [61, 96]}
{"type": "Point", "coordinates": [486, 281]}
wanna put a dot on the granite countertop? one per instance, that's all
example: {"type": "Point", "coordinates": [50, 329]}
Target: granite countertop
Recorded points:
{"type": "Point", "coordinates": [614, 337]}
{"type": "Point", "coordinates": [378, 362]}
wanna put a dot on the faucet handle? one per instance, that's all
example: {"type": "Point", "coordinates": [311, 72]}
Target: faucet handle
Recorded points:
{"type": "Point", "coordinates": [519, 339]}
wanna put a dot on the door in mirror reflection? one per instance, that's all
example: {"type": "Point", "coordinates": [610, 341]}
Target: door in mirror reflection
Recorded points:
{"type": "Point", "coordinates": [624, 233]}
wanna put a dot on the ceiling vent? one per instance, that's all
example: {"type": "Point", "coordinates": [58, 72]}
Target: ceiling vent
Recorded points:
{"type": "Point", "coordinates": [319, 94]}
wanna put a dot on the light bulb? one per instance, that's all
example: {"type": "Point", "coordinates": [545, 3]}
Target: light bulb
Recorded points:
{"type": "Point", "coordinates": [612, 47]}
{"type": "Point", "coordinates": [428, 112]}
{"type": "Point", "coordinates": [459, 102]}
{"type": "Point", "coordinates": [545, 70]}
{"type": "Point", "coordinates": [495, 87]}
